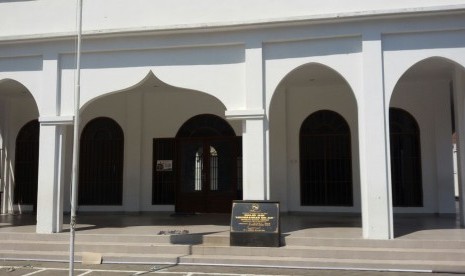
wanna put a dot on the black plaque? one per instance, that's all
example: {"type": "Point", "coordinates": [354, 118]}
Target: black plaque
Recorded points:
{"type": "Point", "coordinates": [255, 223]}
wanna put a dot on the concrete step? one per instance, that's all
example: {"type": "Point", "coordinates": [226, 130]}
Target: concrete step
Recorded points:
{"type": "Point", "coordinates": [335, 252]}
{"type": "Point", "coordinates": [332, 252]}
{"type": "Point", "coordinates": [62, 256]}
{"type": "Point", "coordinates": [100, 247]}
{"type": "Point", "coordinates": [333, 263]}
{"type": "Point", "coordinates": [49, 256]}
{"type": "Point", "coordinates": [289, 262]}
{"type": "Point", "coordinates": [114, 238]}
{"type": "Point", "coordinates": [396, 243]}
{"type": "Point", "coordinates": [214, 248]}
{"type": "Point", "coordinates": [223, 240]}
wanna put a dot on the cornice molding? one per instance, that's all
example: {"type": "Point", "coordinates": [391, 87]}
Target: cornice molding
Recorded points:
{"type": "Point", "coordinates": [244, 25]}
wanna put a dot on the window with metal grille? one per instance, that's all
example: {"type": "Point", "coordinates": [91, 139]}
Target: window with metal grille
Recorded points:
{"type": "Point", "coordinates": [101, 163]}
{"type": "Point", "coordinates": [406, 179]}
{"type": "Point", "coordinates": [325, 160]}
{"type": "Point", "coordinates": [27, 164]}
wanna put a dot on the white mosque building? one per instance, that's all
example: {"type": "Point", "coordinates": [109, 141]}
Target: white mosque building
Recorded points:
{"type": "Point", "coordinates": [325, 106]}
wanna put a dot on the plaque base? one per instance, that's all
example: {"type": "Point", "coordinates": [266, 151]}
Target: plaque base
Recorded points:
{"type": "Point", "coordinates": [254, 239]}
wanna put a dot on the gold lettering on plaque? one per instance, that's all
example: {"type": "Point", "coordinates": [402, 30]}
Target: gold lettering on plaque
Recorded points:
{"type": "Point", "coordinates": [254, 220]}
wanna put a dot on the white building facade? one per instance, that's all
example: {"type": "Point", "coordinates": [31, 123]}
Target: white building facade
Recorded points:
{"type": "Point", "coordinates": [324, 106]}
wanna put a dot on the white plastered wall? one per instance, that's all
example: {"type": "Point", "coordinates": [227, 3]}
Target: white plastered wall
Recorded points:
{"type": "Point", "coordinates": [215, 70]}
{"type": "Point", "coordinates": [117, 15]}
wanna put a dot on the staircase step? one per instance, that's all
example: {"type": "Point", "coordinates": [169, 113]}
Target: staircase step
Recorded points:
{"type": "Point", "coordinates": [115, 238]}
{"type": "Point", "coordinates": [334, 252]}
{"type": "Point", "coordinates": [451, 266]}
{"type": "Point", "coordinates": [59, 256]}
{"type": "Point", "coordinates": [214, 249]}
{"type": "Point", "coordinates": [101, 247]}
{"type": "Point", "coordinates": [397, 243]}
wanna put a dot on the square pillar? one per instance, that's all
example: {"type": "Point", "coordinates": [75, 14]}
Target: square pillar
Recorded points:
{"type": "Point", "coordinates": [254, 125]}
{"type": "Point", "coordinates": [6, 179]}
{"type": "Point", "coordinates": [52, 143]}
{"type": "Point", "coordinates": [132, 153]}
{"type": "Point", "coordinates": [374, 144]}
{"type": "Point", "coordinates": [254, 151]}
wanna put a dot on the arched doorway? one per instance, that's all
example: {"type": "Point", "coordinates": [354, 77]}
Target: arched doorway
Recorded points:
{"type": "Point", "coordinates": [27, 164]}
{"type": "Point", "coordinates": [407, 190]}
{"type": "Point", "coordinates": [319, 91]}
{"type": "Point", "coordinates": [208, 152]}
{"type": "Point", "coordinates": [421, 165]}
{"type": "Point", "coordinates": [325, 160]}
{"type": "Point", "coordinates": [101, 163]}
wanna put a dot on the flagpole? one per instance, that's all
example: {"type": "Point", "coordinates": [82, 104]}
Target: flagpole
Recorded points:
{"type": "Point", "coordinates": [75, 165]}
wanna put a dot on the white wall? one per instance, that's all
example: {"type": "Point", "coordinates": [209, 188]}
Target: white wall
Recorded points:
{"type": "Point", "coordinates": [216, 70]}
{"type": "Point", "coordinates": [54, 17]}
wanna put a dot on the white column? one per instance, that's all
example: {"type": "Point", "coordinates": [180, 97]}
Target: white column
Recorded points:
{"type": "Point", "coordinates": [374, 144]}
{"type": "Point", "coordinates": [4, 109]}
{"type": "Point", "coordinates": [254, 184]}
{"type": "Point", "coordinates": [132, 153]}
{"type": "Point", "coordinates": [52, 143]}
{"type": "Point", "coordinates": [52, 147]}
{"type": "Point", "coordinates": [254, 126]}
{"type": "Point", "coordinates": [443, 150]}
{"type": "Point", "coordinates": [459, 105]}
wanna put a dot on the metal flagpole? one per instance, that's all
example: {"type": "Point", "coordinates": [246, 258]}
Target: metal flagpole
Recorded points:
{"type": "Point", "coordinates": [75, 170]}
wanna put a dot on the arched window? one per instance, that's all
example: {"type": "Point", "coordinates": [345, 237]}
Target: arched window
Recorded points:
{"type": "Point", "coordinates": [325, 160]}
{"type": "Point", "coordinates": [101, 163]}
{"type": "Point", "coordinates": [27, 164]}
{"type": "Point", "coordinates": [406, 178]}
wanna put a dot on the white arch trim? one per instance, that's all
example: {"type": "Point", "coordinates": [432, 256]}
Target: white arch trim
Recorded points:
{"type": "Point", "coordinates": [397, 64]}
{"type": "Point", "coordinates": [26, 90]}
{"type": "Point", "coordinates": [340, 70]}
